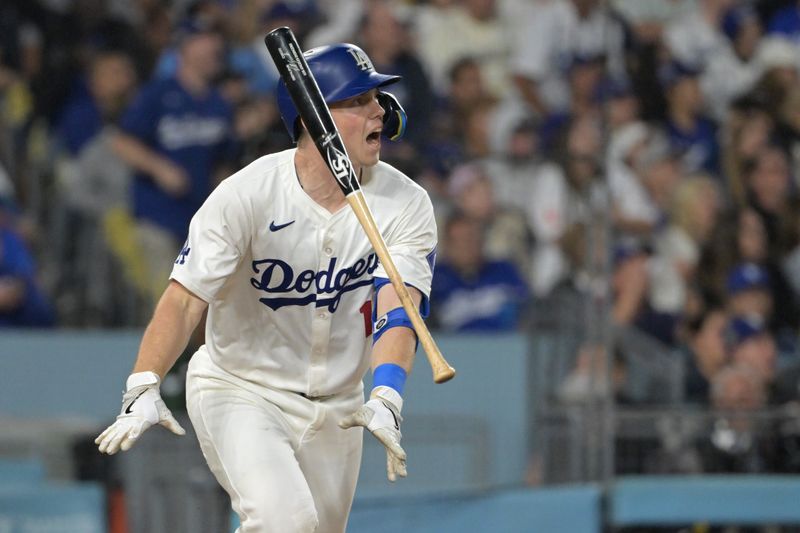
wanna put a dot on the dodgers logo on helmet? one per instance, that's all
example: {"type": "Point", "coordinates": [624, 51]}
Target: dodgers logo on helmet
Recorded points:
{"type": "Point", "coordinates": [361, 59]}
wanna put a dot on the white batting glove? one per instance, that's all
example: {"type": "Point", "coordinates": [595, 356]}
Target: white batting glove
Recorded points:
{"type": "Point", "coordinates": [381, 416]}
{"type": "Point", "coordinates": [142, 407]}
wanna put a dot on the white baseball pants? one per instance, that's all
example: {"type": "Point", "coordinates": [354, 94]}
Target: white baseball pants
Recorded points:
{"type": "Point", "coordinates": [281, 457]}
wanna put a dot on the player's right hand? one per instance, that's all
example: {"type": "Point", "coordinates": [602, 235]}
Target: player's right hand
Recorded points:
{"type": "Point", "coordinates": [142, 407]}
{"type": "Point", "coordinates": [381, 416]}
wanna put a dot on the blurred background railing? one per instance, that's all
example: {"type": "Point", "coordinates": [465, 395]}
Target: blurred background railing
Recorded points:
{"type": "Point", "coordinates": [502, 448]}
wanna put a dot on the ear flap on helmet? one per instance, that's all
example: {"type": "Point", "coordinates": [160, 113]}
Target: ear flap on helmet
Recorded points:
{"type": "Point", "coordinates": [394, 117]}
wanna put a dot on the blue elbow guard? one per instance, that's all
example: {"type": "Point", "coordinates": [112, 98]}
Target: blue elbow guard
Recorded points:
{"type": "Point", "coordinates": [395, 318]}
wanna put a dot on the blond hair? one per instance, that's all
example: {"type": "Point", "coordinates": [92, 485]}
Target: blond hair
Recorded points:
{"type": "Point", "coordinates": [687, 192]}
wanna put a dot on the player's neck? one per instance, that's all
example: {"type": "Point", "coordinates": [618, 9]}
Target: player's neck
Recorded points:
{"type": "Point", "coordinates": [316, 179]}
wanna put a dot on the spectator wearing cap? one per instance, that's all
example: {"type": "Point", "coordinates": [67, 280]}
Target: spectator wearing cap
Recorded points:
{"type": "Point", "coordinates": [687, 128]}
{"type": "Point", "coordinates": [751, 344]}
{"type": "Point", "coordinates": [176, 135]}
{"type": "Point", "coordinates": [748, 291]}
{"type": "Point", "coordinates": [473, 293]}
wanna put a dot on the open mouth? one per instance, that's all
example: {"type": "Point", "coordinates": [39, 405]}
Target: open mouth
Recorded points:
{"type": "Point", "coordinates": [374, 137]}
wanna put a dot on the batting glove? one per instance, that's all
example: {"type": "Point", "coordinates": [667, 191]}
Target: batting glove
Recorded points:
{"type": "Point", "coordinates": [142, 407]}
{"type": "Point", "coordinates": [381, 416]}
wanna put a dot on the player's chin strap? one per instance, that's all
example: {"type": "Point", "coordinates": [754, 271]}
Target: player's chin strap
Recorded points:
{"type": "Point", "coordinates": [394, 117]}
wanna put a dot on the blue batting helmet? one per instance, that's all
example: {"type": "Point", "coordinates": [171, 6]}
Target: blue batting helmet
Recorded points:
{"type": "Point", "coordinates": [342, 71]}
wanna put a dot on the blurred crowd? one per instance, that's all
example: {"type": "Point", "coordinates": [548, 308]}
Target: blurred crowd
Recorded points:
{"type": "Point", "coordinates": [642, 152]}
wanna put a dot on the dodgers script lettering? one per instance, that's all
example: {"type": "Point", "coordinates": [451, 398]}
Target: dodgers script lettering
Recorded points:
{"type": "Point", "coordinates": [276, 277]}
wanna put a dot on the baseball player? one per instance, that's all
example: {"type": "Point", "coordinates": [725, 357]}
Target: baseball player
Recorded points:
{"type": "Point", "coordinates": [298, 307]}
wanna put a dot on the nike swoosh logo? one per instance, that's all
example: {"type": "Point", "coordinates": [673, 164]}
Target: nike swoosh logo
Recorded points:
{"type": "Point", "coordinates": [128, 409]}
{"type": "Point", "coordinates": [276, 227]}
{"type": "Point", "coordinates": [396, 423]}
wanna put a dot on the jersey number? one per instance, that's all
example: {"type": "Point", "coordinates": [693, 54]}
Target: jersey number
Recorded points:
{"type": "Point", "coordinates": [366, 310]}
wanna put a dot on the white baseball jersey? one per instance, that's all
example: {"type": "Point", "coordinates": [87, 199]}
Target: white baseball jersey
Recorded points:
{"type": "Point", "coordinates": [289, 284]}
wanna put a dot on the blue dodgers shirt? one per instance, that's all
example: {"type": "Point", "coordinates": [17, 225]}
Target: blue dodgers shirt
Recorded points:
{"type": "Point", "coordinates": [699, 146]}
{"type": "Point", "coordinates": [492, 300]}
{"type": "Point", "coordinates": [786, 22]}
{"type": "Point", "coordinates": [193, 132]}
{"type": "Point", "coordinates": [16, 262]}
{"type": "Point", "coordinates": [80, 121]}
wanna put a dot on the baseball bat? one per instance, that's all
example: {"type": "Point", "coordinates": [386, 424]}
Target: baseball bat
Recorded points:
{"type": "Point", "coordinates": [316, 116]}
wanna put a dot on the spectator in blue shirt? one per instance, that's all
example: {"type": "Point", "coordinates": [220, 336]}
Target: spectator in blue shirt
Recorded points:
{"type": "Point", "coordinates": [22, 303]}
{"type": "Point", "coordinates": [470, 292]}
{"type": "Point", "coordinates": [98, 99]}
{"type": "Point", "coordinates": [688, 129]}
{"type": "Point", "coordinates": [786, 22]}
{"type": "Point", "coordinates": [177, 137]}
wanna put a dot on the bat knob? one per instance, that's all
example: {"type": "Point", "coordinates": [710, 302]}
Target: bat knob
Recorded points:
{"type": "Point", "coordinates": [444, 374]}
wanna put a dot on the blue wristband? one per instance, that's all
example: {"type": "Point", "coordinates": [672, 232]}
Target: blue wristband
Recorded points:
{"type": "Point", "coordinates": [389, 375]}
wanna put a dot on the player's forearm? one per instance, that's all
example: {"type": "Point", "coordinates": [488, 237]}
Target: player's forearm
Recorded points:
{"type": "Point", "coordinates": [176, 316]}
{"type": "Point", "coordinates": [396, 346]}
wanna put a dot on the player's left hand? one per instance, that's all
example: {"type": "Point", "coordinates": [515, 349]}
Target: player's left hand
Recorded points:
{"type": "Point", "coordinates": [383, 419]}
